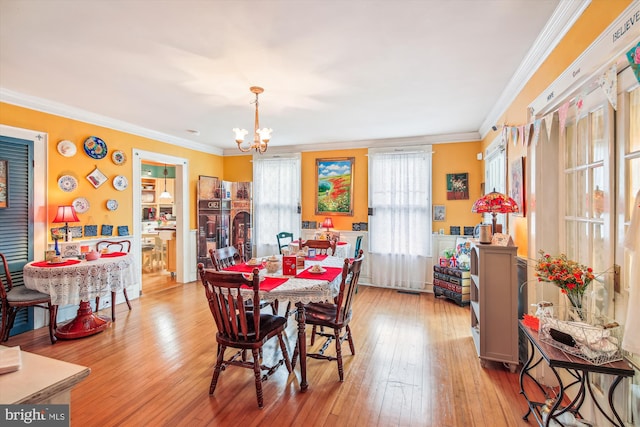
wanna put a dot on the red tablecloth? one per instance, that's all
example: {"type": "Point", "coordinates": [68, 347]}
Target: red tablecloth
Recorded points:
{"type": "Point", "coordinates": [244, 268]}
{"type": "Point", "coordinates": [330, 274]}
{"type": "Point", "coordinates": [317, 258]}
{"type": "Point", "coordinates": [113, 254]}
{"type": "Point", "coordinates": [61, 264]}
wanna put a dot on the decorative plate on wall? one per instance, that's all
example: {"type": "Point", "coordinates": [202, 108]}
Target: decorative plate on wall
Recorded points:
{"type": "Point", "coordinates": [67, 148]}
{"type": "Point", "coordinates": [118, 157]}
{"type": "Point", "coordinates": [95, 147]}
{"type": "Point", "coordinates": [112, 204]}
{"type": "Point", "coordinates": [80, 204]}
{"type": "Point", "coordinates": [120, 182]}
{"type": "Point", "coordinates": [67, 183]}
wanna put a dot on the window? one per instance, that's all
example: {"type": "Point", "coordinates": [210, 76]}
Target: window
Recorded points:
{"type": "Point", "coordinates": [276, 200]}
{"type": "Point", "coordinates": [400, 227]}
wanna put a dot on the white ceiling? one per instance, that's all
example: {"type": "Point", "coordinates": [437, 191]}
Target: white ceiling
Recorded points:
{"type": "Point", "coordinates": [341, 72]}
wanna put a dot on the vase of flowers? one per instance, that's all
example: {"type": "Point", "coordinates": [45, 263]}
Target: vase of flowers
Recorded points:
{"type": "Point", "coordinates": [570, 276]}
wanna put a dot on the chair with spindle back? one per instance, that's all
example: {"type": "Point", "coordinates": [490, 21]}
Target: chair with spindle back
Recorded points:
{"type": "Point", "coordinates": [14, 298]}
{"type": "Point", "coordinates": [239, 328]}
{"type": "Point", "coordinates": [335, 315]}
{"type": "Point", "coordinates": [114, 246]}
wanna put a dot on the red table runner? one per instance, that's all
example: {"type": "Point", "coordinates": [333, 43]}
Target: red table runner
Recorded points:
{"type": "Point", "coordinates": [270, 283]}
{"type": "Point", "coordinates": [60, 264]}
{"type": "Point", "coordinates": [317, 258]}
{"type": "Point", "coordinates": [330, 274]}
{"type": "Point", "coordinates": [244, 268]}
{"type": "Point", "coordinates": [113, 254]}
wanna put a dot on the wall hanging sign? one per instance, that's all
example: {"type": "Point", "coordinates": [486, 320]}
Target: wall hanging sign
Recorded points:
{"type": "Point", "coordinates": [95, 147]}
{"type": "Point", "coordinates": [90, 230]}
{"type": "Point", "coordinates": [106, 230]}
{"type": "Point", "coordinates": [4, 184]}
{"type": "Point", "coordinates": [123, 230]}
{"type": "Point", "coordinates": [96, 178]}
{"type": "Point", "coordinates": [334, 186]}
{"type": "Point", "coordinates": [457, 186]}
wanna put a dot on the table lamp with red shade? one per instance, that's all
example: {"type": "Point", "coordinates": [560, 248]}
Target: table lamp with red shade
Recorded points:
{"type": "Point", "coordinates": [327, 223]}
{"type": "Point", "coordinates": [66, 214]}
{"type": "Point", "coordinates": [495, 203]}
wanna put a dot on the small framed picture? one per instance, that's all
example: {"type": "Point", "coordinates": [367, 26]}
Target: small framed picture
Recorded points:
{"type": "Point", "coordinates": [4, 184]}
{"type": "Point", "coordinates": [439, 212]}
{"type": "Point", "coordinates": [96, 178]}
{"type": "Point", "coordinates": [454, 230]}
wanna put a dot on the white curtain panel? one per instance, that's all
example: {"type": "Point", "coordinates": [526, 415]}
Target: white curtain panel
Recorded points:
{"type": "Point", "coordinates": [400, 227]}
{"type": "Point", "coordinates": [276, 198]}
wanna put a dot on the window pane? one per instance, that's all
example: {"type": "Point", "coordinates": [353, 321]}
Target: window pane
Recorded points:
{"type": "Point", "coordinates": [583, 237]}
{"type": "Point", "coordinates": [582, 148]}
{"type": "Point", "coordinates": [570, 196]}
{"type": "Point", "coordinates": [634, 121]}
{"type": "Point", "coordinates": [570, 146]}
{"type": "Point", "coordinates": [582, 192]}
{"type": "Point", "coordinates": [599, 195]}
{"type": "Point", "coordinates": [600, 142]}
{"type": "Point", "coordinates": [599, 249]}
{"type": "Point", "coordinates": [633, 183]}
{"type": "Point", "coordinates": [570, 236]}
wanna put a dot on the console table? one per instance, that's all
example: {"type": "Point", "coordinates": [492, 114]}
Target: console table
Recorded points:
{"type": "Point", "coordinates": [579, 369]}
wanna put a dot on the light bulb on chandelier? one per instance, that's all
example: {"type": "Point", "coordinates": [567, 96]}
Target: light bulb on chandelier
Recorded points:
{"type": "Point", "coordinates": [165, 194]}
{"type": "Point", "coordinates": [261, 137]}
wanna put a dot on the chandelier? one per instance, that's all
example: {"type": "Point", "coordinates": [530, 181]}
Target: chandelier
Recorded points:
{"type": "Point", "coordinates": [261, 137]}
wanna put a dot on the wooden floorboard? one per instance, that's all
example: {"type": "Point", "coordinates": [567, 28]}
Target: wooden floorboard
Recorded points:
{"type": "Point", "coordinates": [415, 365]}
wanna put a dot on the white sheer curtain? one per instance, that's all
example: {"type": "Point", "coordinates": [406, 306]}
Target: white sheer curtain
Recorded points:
{"type": "Point", "coordinates": [400, 227]}
{"type": "Point", "coordinates": [276, 198]}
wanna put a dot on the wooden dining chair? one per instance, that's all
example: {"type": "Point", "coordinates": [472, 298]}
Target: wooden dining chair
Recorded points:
{"type": "Point", "coordinates": [241, 329]}
{"type": "Point", "coordinates": [335, 315]}
{"type": "Point", "coordinates": [322, 247]}
{"type": "Point", "coordinates": [114, 246]}
{"type": "Point", "coordinates": [284, 238]}
{"type": "Point", "coordinates": [224, 257]}
{"type": "Point", "coordinates": [15, 298]}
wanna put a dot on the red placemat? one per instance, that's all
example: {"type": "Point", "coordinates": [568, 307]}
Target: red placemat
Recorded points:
{"type": "Point", "coordinates": [269, 283]}
{"type": "Point", "coordinates": [60, 264]}
{"type": "Point", "coordinates": [113, 254]}
{"type": "Point", "coordinates": [342, 243]}
{"type": "Point", "coordinates": [244, 268]}
{"type": "Point", "coordinates": [317, 258]}
{"type": "Point", "coordinates": [330, 274]}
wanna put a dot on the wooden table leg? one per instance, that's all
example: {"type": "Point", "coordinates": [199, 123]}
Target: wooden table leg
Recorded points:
{"type": "Point", "coordinates": [302, 346]}
{"type": "Point", "coordinates": [84, 324]}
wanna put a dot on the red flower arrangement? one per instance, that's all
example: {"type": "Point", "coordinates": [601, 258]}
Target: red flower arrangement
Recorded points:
{"type": "Point", "coordinates": [570, 276]}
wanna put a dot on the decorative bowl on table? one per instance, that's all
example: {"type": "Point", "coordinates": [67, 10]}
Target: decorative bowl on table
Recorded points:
{"type": "Point", "coordinates": [273, 264]}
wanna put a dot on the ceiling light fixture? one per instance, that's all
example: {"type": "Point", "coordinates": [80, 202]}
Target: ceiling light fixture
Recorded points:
{"type": "Point", "coordinates": [165, 194]}
{"type": "Point", "coordinates": [261, 137]}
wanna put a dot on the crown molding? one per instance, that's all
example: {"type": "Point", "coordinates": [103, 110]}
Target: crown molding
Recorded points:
{"type": "Point", "coordinates": [369, 143]}
{"type": "Point", "coordinates": [565, 15]}
{"type": "Point", "coordinates": [50, 107]}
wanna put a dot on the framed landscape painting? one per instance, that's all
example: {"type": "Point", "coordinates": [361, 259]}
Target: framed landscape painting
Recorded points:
{"type": "Point", "coordinates": [334, 186]}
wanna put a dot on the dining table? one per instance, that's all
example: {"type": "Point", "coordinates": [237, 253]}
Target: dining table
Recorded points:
{"type": "Point", "coordinates": [304, 287]}
{"type": "Point", "coordinates": [343, 249]}
{"type": "Point", "coordinates": [79, 281]}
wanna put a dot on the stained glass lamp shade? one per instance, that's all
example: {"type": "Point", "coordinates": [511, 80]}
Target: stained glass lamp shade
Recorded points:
{"type": "Point", "coordinates": [495, 203]}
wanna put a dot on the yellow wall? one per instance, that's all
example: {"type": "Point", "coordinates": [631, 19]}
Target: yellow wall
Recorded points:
{"type": "Point", "coordinates": [456, 158]}
{"type": "Point", "coordinates": [448, 158]}
{"type": "Point", "coordinates": [60, 128]}
{"type": "Point", "coordinates": [595, 19]}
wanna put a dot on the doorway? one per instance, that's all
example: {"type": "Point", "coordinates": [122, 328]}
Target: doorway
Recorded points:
{"type": "Point", "coordinates": [176, 229]}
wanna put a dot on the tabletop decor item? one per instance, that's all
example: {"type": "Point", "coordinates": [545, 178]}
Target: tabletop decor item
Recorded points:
{"type": "Point", "coordinates": [570, 276]}
{"type": "Point", "coordinates": [66, 214]}
{"type": "Point", "coordinates": [96, 178]}
{"type": "Point", "coordinates": [95, 147]}
{"type": "Point", "coordinates": [495, 203]}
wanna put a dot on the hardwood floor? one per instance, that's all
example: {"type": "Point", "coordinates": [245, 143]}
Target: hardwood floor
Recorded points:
{"type": "Point", "coordinates": [415, 365]}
